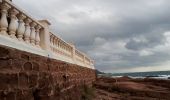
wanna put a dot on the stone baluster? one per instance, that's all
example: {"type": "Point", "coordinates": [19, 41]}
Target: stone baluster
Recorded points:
{"type": "Point", "coordinates": [37, 36]}
{"type": "Point", "coordinates": [57, 43]}
{"type": "Point", "coordinates": [73, 52]}
{"type": "Point", "coordinates": [45, 35]}
{"type": "Point", "coordinates": [50, 42]}
{"type": "Point", "coordinates": [3, 21]}
{"type": "Point", "coordinates": [32, 38]}
{"type": "Point", "coordinates": [54, 41]}
{"type": "Point", "coordinates": [62, 45]}
{"type": "Point", "coordinates": [50, 39]}
{"type": "Point", "coordinates": [13, 23]}
{"type": "Point", "coordinates": [27, 32]}
{"type": "Point", "coordinates": [21, 27]}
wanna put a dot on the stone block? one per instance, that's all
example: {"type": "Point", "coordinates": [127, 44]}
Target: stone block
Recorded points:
{"type": "Point", "coordinates": [24, 95]}
{"type": "Point", "coordinates": [4, 81]}
{"type": "Point", "coordinates": [23, 80]}
{"type": "Point", "coordinates": [39, 59]}
{"type": "Point", "coordinates": [46, 91]}
{"type": "Point", "coordinates": [4, 53]}
{"type": "Point", "coordinates": [5, 64]}
{"type": "Point", "coordinates": [10, 96]}
{"type": "Point", "coordinates": [17, 64]}
{"type": "Point", "coordinates": [33, 80]}
{"type": "Point", "coordinates": [43, 67]}
{"type": "Point", "coordinates": [27, 66]}
{"type": "Point", "coordinates": [43, 80]}
{"type": "Point", "coordinates": [25, 56]}
{"type": "Point", "coordinates": [8, 81]}
{"type": "Point", "coordinates": [35, 66]}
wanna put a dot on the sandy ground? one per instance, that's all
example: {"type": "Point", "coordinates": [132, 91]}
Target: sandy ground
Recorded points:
{"type": "Point", "coordinates": [125, 88]}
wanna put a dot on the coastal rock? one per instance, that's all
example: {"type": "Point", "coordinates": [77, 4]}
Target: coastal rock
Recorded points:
{"type": "Point", "coordinates": [126, 88]}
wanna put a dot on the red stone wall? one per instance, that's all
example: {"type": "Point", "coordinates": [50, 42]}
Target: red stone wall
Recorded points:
{"type": "Point", "coordinates": [26, 76]}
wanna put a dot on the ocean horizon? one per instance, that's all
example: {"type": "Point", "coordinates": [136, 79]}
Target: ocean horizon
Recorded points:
{"type": "Point", "coordinates": [152, 74]}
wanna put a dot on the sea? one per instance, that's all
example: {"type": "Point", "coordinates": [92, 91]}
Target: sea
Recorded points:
{"type": "Point", "coordinates": [152, 74]}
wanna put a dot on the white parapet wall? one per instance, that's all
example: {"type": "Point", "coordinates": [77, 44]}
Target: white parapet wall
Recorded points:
{"type": "Point", "coordinates": [19, 30]}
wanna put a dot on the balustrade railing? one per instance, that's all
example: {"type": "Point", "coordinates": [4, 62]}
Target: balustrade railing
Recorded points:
{"type": "Point", "coordinates": [79, 56]}
{"type": "Point", "coordinates": [18, 25]}
{"type": "Point", "coordinates": [58, 46]}
{"type": "Point", "coordinates": [19, 28]}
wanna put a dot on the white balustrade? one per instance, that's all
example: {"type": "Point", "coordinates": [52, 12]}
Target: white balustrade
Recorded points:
{"type": "Point", "coordinates": [32, 38]}
{"type": "Point", "coordinates": [3, 20]}
{"type": "Point", "coordinates": [13, 23]}
{"type": "Point", "coordinates": [19, 27]}
{"type": "Point", "coordinates": [37, 36]}
{"type": "Point", "coordinates": [27, 32]}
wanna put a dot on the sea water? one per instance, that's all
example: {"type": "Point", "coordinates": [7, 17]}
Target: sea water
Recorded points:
{"type": "Point", "coordinates": [153, 74]}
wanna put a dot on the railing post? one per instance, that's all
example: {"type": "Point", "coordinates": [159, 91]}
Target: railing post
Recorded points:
{"type": "Point", "coordinates": [13, 24]}
{"type": "Point", "coordinates": [27, 33]}
{"type": "Point", "coordinates": [32, 37]}
{"type": "Point", "coordinates": [45, 35]}
{"type": "Point", "coordinates": [3, 19]}
{"type": "Point", "coordinates": [37, 36]}
{"type": "Point", "coordinates": [73, 51]}
{"type": "Point", "coordinates": [21, 26]}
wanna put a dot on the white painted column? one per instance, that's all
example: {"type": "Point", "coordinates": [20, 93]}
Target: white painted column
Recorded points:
{"type": "Point", "coordinates": [21, 27]}
{"type": "Point", "coordinates": [45, 35]}
{"type": "Point", "coordinates": [27, 32]}
{"type": "Point", "coordinates": [73, 52]}
{"type": "Point", "coordinates": [32, 37]}
{"type": "Point", "coordinates": [53, 42]}
{"type": "Point", "coordinates": [3, 21]}
{"type": "Point", "coordinates": [37, 36]}
{"type": "Point", "coordinates": [57, 43]}
{"type": "Point", "coordinates": [13, 23]}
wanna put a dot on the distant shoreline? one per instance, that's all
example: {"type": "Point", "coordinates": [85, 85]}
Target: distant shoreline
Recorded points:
{"type": "Point", "coordinates": [154, 74]}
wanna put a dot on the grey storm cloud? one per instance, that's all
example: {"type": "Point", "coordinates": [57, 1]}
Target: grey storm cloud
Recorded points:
{"type": "Point", "coordinates": [119, 35]}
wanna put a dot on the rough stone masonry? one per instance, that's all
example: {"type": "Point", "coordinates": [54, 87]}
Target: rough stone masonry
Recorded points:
{"type": "Point", "coordinates": [26, 76]}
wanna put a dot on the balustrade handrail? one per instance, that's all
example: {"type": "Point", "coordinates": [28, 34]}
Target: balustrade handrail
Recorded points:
{"type": "Point", "coordinates": [60, 39]}
{"type": "Point", "coordinates": [20, 27]}
{"type": "Point", "coordinates": [22, 11]}
{"type": "Point", "coordinates": [83, 56]}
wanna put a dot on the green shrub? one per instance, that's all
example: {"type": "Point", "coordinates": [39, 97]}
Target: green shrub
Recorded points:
{"type": "Point", "coordinates": [87, 92]}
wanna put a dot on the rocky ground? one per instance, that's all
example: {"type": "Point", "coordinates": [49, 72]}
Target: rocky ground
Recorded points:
{"type": "Point", "coordinates": [125, 88]}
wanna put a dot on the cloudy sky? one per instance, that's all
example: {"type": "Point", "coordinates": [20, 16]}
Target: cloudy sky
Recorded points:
{"type": "Point", "coordinates": [120, 35]}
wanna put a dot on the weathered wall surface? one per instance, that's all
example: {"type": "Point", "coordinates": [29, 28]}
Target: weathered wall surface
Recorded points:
{"type": "Point", "coordinates": [26, 76]}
